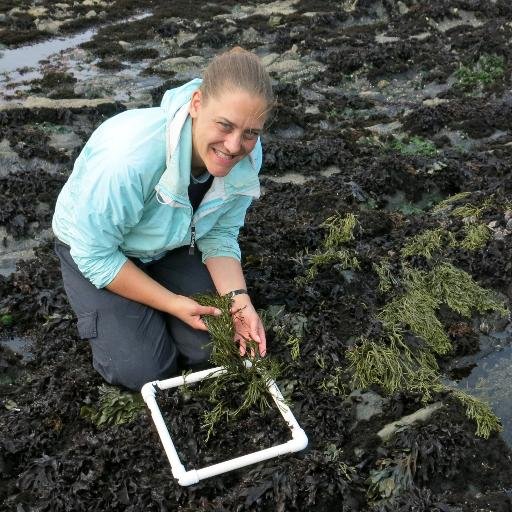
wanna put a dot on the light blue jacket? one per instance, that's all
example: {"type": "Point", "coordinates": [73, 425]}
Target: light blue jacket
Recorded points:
{"type": "Point", "coordinates": [128, 192]}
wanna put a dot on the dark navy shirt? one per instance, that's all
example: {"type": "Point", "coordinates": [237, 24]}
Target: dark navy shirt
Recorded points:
{"type": "Point", "coordinates": [197, 189]}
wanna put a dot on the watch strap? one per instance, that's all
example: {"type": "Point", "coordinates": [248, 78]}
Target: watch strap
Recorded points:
{"type": "Point", "coordinates": [233, 293]}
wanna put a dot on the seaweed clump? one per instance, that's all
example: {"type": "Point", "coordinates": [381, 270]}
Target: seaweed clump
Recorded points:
{"type": "Point", "coordinates": [401, 362]}
{"type": "Point", "coordinates": [249, 380]}
{"type": "Point", "coordinates": [334, 251]}
{"type": "Point", "coordinates": [115, 407]}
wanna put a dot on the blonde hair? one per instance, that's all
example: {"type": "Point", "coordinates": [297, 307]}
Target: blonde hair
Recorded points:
{"type": "Point", "coordinates": [237, 69]}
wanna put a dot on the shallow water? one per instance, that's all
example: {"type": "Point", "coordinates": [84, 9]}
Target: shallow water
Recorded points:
{"type": "Point", "coordinates": [20, 346]}
{"type": "Point", "coordinates": [491, 380]}
{"type": "Point", "coordinates": [19, 66]}
{"type": "Point", "coordinates": [29, 56]}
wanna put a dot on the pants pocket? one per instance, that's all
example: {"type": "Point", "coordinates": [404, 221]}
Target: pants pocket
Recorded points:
{"type": "Point", "coordinates": [88, 325]}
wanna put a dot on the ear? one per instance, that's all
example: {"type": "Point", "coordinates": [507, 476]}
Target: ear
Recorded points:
{"type": "Point", "coordinates": [195, 103]}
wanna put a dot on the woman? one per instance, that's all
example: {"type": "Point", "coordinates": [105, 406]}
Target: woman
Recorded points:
{"type": "Point", "coordinates": [150, 216]}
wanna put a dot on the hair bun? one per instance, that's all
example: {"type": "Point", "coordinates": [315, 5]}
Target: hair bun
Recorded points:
{"type": "Point", "coordinates": [237, 49]}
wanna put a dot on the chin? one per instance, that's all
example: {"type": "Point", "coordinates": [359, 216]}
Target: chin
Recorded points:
{"type": "Point", "coordinates": [219, 173]}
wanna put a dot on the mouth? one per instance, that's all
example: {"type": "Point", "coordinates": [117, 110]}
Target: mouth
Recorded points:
{"type": "Point", "coordinates": [225, 157]}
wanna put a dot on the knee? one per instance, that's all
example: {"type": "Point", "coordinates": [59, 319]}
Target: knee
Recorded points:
{"type": "Point", "coordinates": [133, 373]}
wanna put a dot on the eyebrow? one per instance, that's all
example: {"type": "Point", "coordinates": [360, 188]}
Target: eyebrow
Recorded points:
{"type": "Point", "coordinates": [227, 121]}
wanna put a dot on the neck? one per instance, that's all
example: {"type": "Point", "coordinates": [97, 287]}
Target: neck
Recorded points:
{"type": "Point", "coordinates": [197, 171]}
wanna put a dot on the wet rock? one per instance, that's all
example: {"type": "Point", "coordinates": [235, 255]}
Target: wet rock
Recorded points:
{"type": "Point", "coordinates": [464, 18]}
{"type": "Point", "coordinates": [66, 142]}
{"type": "Point", "coordinates": [383, 39]}
{"type": "Point", "coordinates": [91, 14]}
{"type": "Point", "coordinates": [125, 45]}
{"type": "Point", "coordinates": [12, 251]}
{"type": "Point", "coordinates": [48, 25]}
{"type": "Point", "coordinates": [402, 8]}
{"type": "Point", "coordinates": [269, 59]}
{"type": "Point", "coordinates": [182, 64]}
{"type": "Point", "coordinates": [279, 7]}
{"type": "Point", "coordinates": [94, 3]}
{"type": "Point", "coordinates": [290, 132]}
{"type": "Point", "coordinates": [284, 66]}
{"type": "Point", "coordinates": [368, 404]}
{"type": "Point", "coordinates": [8, 158]}
{"type": "Point", "coordinates": [275, 20]}
{"type": "Point", "coordinates": [422, 415]}
{"type": "Point", "coordinates": [33, 102]}
{"type": "Point", "coordinates": [251, 35]}
{"type": "Point", "coordinates": [385, 128]}
{"type": "Point", "coordinates": [330, 171]}
{"type": "Point", "coordinates": [37, 12]}
{"type": "Point", "coordinates": [185, 37]}
{"type": "Point", "coordinates": [434, 102]}
{"type": "Point", "coordinates": [289, 177]}
{"type": "Point", "coordinates": [310, 95]}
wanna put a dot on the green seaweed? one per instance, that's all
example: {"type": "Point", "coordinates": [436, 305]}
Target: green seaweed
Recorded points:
{"type": "Point", "coordinates": [387, 281]}
{"type": "Point", "coordinates": [472, 210]}
{"type": "Point", "coordinates": [253, 379]}
{"type": "Point", "coordinates": [428, 243]}
{"type": "Point", "coordinates": [115, 407]}
{"type": "Point", "coordinates": [6, 320]}
{"type": "Point", "coordinates": [477, 236]}
{"type": "Point", "coordinates": [479, 411]}
{"type": "Point", "coordinates": [461, 293]}
{"type": "Point", "coordinates": [449, 201]}
{"type": "Point", "coordinates": [340, 232]}
{"type": "Point", "coordinates": [486, 71]}
{"type": "Point", "coordinates": [393, 366]}
{"type": "Point", "coordinates": [415, 146]}
{"type": "Point", "coordinates": [416, 309]}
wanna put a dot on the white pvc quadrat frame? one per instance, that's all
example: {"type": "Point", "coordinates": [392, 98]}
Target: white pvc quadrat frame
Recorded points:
{"type": "Point", "coordinates": [298, 442]}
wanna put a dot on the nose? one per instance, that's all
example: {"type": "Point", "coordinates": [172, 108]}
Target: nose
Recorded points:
{"type": "Point", "coordinates": [233, 143]}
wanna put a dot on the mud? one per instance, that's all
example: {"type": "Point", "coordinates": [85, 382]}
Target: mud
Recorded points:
{"type": "Point", "coordinates": [357, 85]}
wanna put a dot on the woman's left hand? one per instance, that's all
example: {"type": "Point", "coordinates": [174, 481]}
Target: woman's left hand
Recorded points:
{"type": "Point", "coordinates": [248, 324]}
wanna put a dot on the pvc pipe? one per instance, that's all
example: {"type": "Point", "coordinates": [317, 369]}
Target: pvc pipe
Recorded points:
{"type": "Point", "coordinates": [148, 392]}
{"type": "Point", "coordinates": [298, 442]}
{"type": "Point", "coordinates": [190, 378]}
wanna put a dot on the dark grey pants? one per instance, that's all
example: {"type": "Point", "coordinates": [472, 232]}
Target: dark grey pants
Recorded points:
{"type": "Point", "coordinates": [132, 343]}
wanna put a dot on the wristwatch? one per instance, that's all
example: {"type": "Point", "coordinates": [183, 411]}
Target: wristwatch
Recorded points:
{"type": "Point", "coordinates": [233, 293]}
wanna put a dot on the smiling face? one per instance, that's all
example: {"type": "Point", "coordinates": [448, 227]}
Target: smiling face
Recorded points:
{"type": "Point", "coordinates": [224, 129]}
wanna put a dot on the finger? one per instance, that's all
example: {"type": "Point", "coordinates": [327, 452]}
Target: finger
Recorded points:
{"type": "Point", "coordinates": [255, 338]}
{"type": "Point", "coordinates": [209, 310]}
{"type": "Point", "coordinates": [263, 340]}
{"type": "Point", "coordinates": [242, 346]}
{"type": "Point", "coordinates": [198, 323]}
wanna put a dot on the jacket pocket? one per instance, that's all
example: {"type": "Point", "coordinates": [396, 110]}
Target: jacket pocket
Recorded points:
{"type": "Point", "coordinates": [88, 325]}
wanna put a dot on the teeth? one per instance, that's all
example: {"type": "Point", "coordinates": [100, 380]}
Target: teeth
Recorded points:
{"type": "Point", "coordinates": [222, 155]}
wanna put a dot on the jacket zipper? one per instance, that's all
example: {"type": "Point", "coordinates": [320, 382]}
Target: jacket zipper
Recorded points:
{"type": "Point", "coordinates": [191, 247]}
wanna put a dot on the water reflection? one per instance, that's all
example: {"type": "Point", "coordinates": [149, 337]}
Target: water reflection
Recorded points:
{"type": "Point", "coordinates": [20, 346]}
{"type": "Point", "coordinates": [491, 380]}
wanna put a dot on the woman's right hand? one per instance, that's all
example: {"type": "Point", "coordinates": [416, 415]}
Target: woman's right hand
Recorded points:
{"type": "Point", "coordinates": [190, 312]}
{"type": "Point", "coordinates": [134, 284]}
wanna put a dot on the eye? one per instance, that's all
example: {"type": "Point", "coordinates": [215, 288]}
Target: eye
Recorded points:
{"type": "Point", "coordinates": [250, 135]}
{"type": "Point", "coordinates": [224, 126]}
